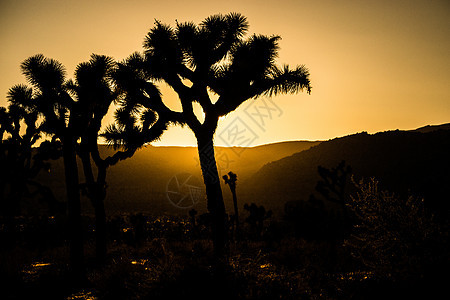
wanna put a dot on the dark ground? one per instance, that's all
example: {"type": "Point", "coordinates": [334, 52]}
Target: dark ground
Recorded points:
{"type": "Point", "coordinates": [167, 258]}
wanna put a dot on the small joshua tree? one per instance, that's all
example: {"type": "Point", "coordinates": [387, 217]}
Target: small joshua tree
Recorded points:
{"type": "Point", "coordinates": [333, 183]}
{"type": "Point", "coordinates": [192, 214]}
{"type": "Point", "coordinates": [332, 188]}
{"type": "Point", "coordinates": [256, 218]}
{"type": "Point", "coordinates": [231, 179]}
{"type": "Point", "coordinates": [20, 158]}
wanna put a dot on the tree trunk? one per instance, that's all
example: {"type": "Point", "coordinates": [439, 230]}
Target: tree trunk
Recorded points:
{"type": "Point", "coordinates": [100, 230]}
{"type": "Point", "coordinates": [97, 194]}
{"type": "Point", "coordinates": [215, 203]}
{"type": "Point", "coordinates": [74, 209]}
{"type": "Point", "coordinates": [100, 214]}
{"type": "Point", "coordinates": [236, 212]}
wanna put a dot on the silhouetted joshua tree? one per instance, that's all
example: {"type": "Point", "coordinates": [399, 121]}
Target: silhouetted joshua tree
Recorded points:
{"type": "Point", "coordinates": [333, 183]}
{"type": "Point", "coordinates": [20, 159]}
{"type": "Point", "coordinates": [192, 213]}
{"type": "Point", "coordinates": [212, 57]}
{"type": "Point", "coordinates": [256, 218]}
{"type": "Point", "coordinates": [93, 89]}
{"type": "Point", "coordinates": [16, 148]}
{"type": "Point", "coordinates": [61, 119]}
{"type": "Point", "coordinates": [332, 187]}
{"type": "Point", "coordinates": [231, 179]}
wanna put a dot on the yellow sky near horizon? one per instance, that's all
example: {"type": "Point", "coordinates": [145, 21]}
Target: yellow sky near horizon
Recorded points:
{"type": "Point", "coordinates": [375, 65]}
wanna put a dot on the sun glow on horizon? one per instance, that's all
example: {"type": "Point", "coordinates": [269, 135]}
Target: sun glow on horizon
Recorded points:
{"type": "Point", "coordinates": [375, 66]}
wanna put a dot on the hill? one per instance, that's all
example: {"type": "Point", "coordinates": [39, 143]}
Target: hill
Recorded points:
{"type": "Point", "coordinates": [430, 128]}
{"type": "Point", "coordinates": [405, 162]}
{"type": "Point", "coordinates": [140, 184]}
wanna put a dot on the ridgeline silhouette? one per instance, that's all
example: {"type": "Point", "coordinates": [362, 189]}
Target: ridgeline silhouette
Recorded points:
{"type": "Point", "coordinates": [130, 191]}
{"type": "Point", "coordinates": [404, 162]}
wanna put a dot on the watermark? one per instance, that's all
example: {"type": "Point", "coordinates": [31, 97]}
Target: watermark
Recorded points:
{"type": "Point", "coordinates": [184, 190]}
{"type": "Point", "coordinates": [223, 161]}
{"type": "Point", "coordinates": [238, 132]}
{"type": "Point", "coordinates": [243, 130]}
{"type": "Point", "coordinates": [262, 110]}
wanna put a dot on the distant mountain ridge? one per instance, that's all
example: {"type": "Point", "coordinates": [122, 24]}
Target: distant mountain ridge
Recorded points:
{"type": "Point", "coordinates": [140, 183]}
{"type": "Point", "coordinates": [273, 174]}
{"type": "Point", "coordinates": [430, 128]}
{"type": "Point", "coordinates": [416, 162]}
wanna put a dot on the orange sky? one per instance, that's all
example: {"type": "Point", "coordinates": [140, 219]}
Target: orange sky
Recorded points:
{"type": "Point", "coordinates": [375, 65]}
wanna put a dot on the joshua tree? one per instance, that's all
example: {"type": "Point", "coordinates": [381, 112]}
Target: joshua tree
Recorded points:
{"type": "Point", "coordinates": [332, 188]}
{"type": "Point", "coordinates": [231, 181]}
{"type": "Point", "coordinates": [333, 183]}
{"type": "Point", "coordinates": [257, 215]}
{"type": "Point", "coordinates": [192, 214]}
{"type": "Point", "coordinates": [16, 148]}
{"type": "Point", "coordinates": [20, 158]}
{"type": "Point", "coordinates": [61, 120]}
{"type": "Point", "coordinates": [93, 89]}
{"type": "Point", "coordinates": [212, 57]}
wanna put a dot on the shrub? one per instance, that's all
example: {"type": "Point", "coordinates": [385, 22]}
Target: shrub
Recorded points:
{"type": "Point", "coordinates": [395, 237]}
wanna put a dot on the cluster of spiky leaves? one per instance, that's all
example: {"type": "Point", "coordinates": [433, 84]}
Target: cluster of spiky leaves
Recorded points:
{"type": "Point", "coordinates": [216, 55]}
{"type": "Point", "coordinates": [92, 86]}
{"type": "Point", "coordinates": [93, 90]}
{"type": "Point", "coordinates": [82, 103]}
{"type": "Point", "coordinates": [44, 73]}
{"type": "Point", "coordinates": [136, 122]}
{"type": "Point", "coordinates": [47, 77]}
{"type": "Point", "coordinates": [20, 163]}
{"type": "Point", "coordinates": [22, 110]}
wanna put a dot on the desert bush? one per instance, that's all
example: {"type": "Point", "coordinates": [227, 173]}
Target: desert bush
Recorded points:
{"type": "Point", "coordinates": [396, 237]}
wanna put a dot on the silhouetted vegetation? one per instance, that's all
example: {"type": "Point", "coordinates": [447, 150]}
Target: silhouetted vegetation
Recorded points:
{"type": "Point", "coordinates": [214, 57]}
{"type": "Point", "coordinates": [395, 246]}
{"type": "Point", "coordinates": [50, 99]}
{"type": "Point", "coordinates": [93, 88]}
{"type": "Point", "coordinates": [230, 180]}
{"type": "Point", "coordinates": [128, 179]}
{"type": "Point", "coordinates": [395, 236]}
{"type": "Point", "coordinates": [71, 111]}
{"type": "Point", "coordinates": [257, 216]}
{"type": "Point", "coordinates": [378, 228]}
{"type": "Point", "coordinates": [20, 162]}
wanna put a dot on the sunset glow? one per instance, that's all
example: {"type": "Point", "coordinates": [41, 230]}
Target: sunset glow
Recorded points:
{"type": "Point", "coordinates": [375, 65]}
{"type": "Point", "coordinates": [233, 149]}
